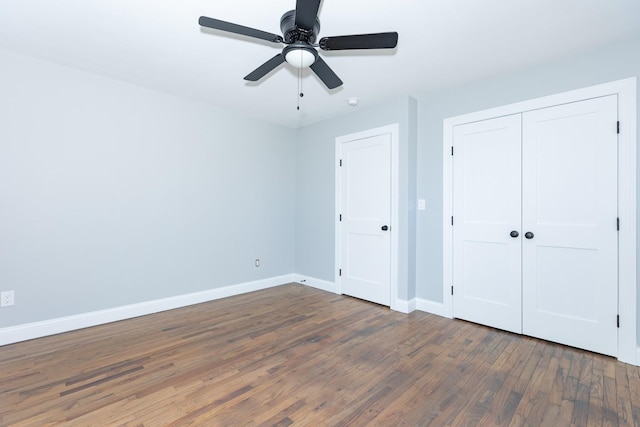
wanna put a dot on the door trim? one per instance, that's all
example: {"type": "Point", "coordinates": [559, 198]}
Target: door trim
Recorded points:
{"type": "Point", "coordinates": [626, 91]}
{"type": "Point", "coordinates": [393, 131]}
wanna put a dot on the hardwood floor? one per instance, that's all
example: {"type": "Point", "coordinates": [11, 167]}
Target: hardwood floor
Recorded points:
{"type": "Point", "coordinates": [293, 355]}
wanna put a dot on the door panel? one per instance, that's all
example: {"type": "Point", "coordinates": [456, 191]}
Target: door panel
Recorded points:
{"type": "Point", "coordinates": [366, 208]}
{"type": "Point", "coordinates": [569, 182]}
{"type": "Point", "coordinates": [486, 208]}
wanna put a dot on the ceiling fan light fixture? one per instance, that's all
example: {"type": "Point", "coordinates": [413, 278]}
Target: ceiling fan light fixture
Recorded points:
{"type": "Point", "coordinates": [300, 56]}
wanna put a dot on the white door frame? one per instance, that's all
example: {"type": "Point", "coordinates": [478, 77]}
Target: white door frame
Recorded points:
{"type": "Point", "coordinates": [393, 130]}
{"type": "Point", "coordinates": [626, 90]}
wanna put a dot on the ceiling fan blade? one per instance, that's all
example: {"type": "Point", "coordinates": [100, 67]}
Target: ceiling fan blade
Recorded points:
{"type": "Point", "coordinates": [360, 41]}
{"type": "Point", "coordinates": [265, 68]}
{"type": "Point", "coordinates": [326, 74]}
{"type": "Point", "coordinates": [217, 24]}
{"type": "Point", "coordinates": [307, 13]}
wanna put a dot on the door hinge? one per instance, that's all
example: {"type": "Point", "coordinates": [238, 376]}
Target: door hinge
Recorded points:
{"type": "Point", "coordinates": [618, 126]}
{"type": "Point", "coordinates": [618, 223]}
{"type": "Point", "coordinates": [340, 272]}
{"type": "Point", "coordinates": [618, 320]}
{"type": "Point", "coordinates": [451, 289]}
{"type": "Point", "coordinates": [340, 217]}
{"type": "Point", "coordinates": [340, 162]}
{"type": "Point", "coordinates": [452, 150]}
{"type": "Point", "coordinates": [451, 219]}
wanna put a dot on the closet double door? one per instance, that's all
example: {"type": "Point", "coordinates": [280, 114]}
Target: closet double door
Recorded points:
{"type": "Point", "coordinates": [535, 242]}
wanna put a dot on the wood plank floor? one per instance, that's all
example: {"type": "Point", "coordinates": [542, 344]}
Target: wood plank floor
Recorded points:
{"type": "Point", "coordinates": [293, 355]}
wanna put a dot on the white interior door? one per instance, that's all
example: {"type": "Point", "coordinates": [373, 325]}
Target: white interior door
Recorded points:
{"type": "Point", "coordinates": [570, 277]}
{"type": "Point", "coordinates": [486, 210]}
{"type": "Point", "coordinates": [365, 206]}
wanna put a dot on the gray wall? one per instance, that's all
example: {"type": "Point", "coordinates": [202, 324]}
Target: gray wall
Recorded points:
{"type": "Point", "coordinates": [315, 157]}
{"type": "Point", "coordinates": [315, 189]}
{"type": "Point", "coordinates": [111, 194]}
{"type": "Point", "coordinates": [614, 63]}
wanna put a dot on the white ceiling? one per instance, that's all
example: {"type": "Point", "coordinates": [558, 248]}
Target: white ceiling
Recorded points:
{"type": "Point", "coordinates": [442, 43]}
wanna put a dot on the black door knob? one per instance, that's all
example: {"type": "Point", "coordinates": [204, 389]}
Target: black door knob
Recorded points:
{"type": "Point", "coordinates": [385, 227]}
{"type": "Point", "coordinates": [528, 235]}
{"type": "Point", "coordinates": [514, 234]}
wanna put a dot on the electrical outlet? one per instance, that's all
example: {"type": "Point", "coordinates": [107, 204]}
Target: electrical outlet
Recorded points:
{"type": "Point", "coordinates": [7, 298]}
{"type": "Point", "coordinates": [257, 262]}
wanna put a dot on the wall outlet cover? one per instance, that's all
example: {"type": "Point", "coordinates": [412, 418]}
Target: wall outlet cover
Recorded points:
{"type": "Point", "coordinates": [7, 298]}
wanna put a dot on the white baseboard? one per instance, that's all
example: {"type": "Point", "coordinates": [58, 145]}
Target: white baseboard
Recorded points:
{"type": "Point", "coordinates": [30, 331]}
{"type": "Point", "coordinates": [316, 283]}
{"type": "Point", "coordinates": [44, 328]}
{"type": "Point", "coordinates": [432, 307]}
{"type": "Point", "coordinates": [404, 306]}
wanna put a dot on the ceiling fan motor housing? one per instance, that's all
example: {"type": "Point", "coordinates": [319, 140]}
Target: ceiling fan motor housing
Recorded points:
{"type": "Point", "coordinates": [293, 34]}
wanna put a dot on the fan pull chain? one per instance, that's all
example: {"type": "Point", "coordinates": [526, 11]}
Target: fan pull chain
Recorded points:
{"type": "Point", "coordinates": [300, 93]}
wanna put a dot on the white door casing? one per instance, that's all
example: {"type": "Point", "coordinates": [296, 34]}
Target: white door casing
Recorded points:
{"type": "Point", "coordinates": [487, 267]}
{"type": "Point", "coordinates": [627, 350]}
{"type": "Point", "coordinates": [366, 227]}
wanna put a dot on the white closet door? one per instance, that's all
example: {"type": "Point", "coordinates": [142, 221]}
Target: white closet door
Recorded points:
{"type": "Point", "coordinates": [570, 278]}
{"type": "Point", "coordinates": [486, 209]}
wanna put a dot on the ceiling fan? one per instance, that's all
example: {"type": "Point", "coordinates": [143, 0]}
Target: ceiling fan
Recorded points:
{"type": "Point", "coordinates": [300, 28]}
